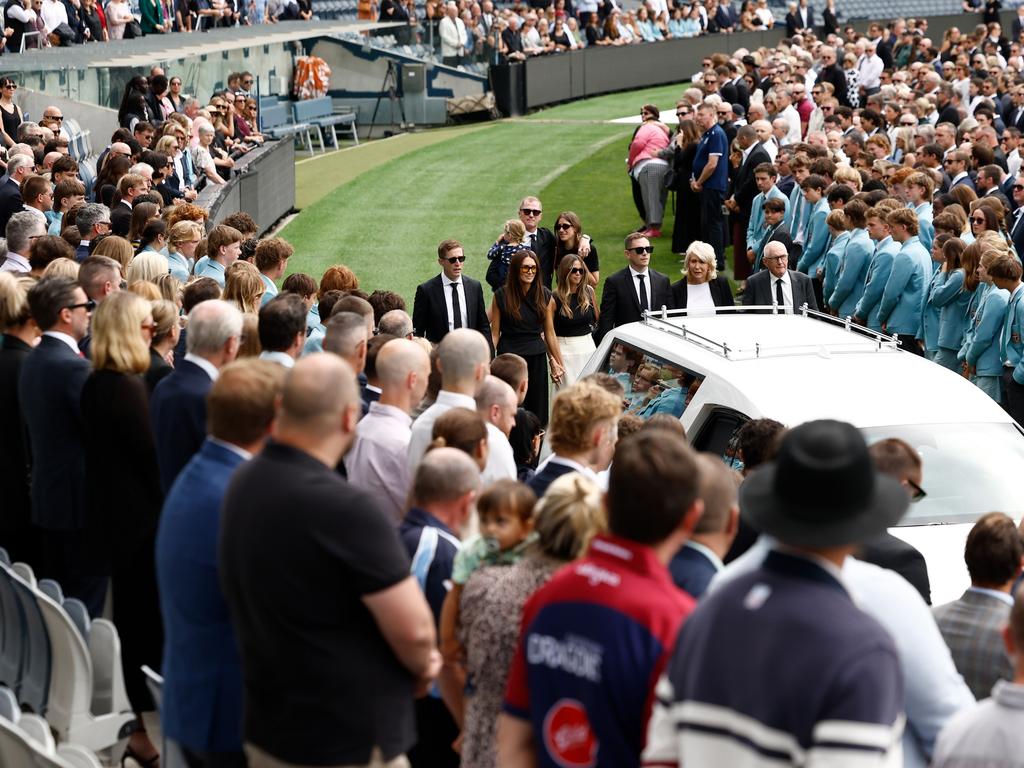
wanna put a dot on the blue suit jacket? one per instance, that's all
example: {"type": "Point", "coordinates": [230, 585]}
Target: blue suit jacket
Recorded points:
{"type": "Point", "coordinates": [875, 282]}
{"type": "Point", "coordinates": [202, 700]}
{"type": "Point", "coordinates": [50, 391]}
{"type": "Point", "coordinates": [539, 482]}
{"type": "Point", "coordinates": [178, 409]}
{"type": "Point", "coordinates": [815, 240]}
{"type": "Point", "coordinates": [906, 289]}
{"type": "Point", "coordinates": [692, 571]}
{"type": "Point", "coordinates": [853, 271]}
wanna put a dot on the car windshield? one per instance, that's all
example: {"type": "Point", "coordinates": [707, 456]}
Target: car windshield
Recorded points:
{"type": "Point", "coordinates": [969, 469]}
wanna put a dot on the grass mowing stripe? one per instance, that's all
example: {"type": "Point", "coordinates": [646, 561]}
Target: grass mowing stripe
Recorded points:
{"type": "Point", "coordinates": [386, 225]}
{"type": "Point", "coordinates": [614, 105]}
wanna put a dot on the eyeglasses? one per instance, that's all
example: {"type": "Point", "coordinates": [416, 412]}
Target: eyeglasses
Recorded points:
{"type": "Point", "coordinates": [531, 211]}
{"type": "Point", "coordinates": [455, 259]}
{"type": "Point", "coordinates": [918, 491]}
{"type": "Point", "coordinates": [528, 268]}
{"type": "Point", "coordinates": [88, 306]}
{"type": "Point", "coordinates": [576, 270]}
{"type": "Point", "coordinates": [642, 249]}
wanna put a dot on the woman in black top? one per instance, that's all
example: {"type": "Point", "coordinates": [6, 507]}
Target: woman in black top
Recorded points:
{"type": "Point", "coordinates": [576, 315]}
{"type": "Point", "coordinates": [20, 334]}
{"type": "Point", "coordinates": [560, 36]}
{"type": "Point", "coordinates": [123, 492]}
{"type": "Point", "coordinates": [568, 232]}
{"type": "Point", "coordinates": [9, 111]}
{"type": "Point", "coordinates": [133, 104]}
{"type": "Point", "coordinates": [687, 222]}
{"type": "Point", "coordinates": [522, 322]}
{"type": "Point", "coordinates": [166, 332]}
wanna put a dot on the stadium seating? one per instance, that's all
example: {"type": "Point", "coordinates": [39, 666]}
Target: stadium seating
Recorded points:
{"type": "Point", "coordinates": [319, 113]}
{"type": "Point", "coordinates": [26, 741]}
{"type": "Point", "coordinates": [276, 122]}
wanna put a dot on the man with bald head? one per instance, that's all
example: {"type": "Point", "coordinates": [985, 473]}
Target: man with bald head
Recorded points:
{"type": "Point", "coordinates": [463, 357]}
{"type": "Point", "coordinates": [497, 402]}
{"type": "Point", "coordinates": [319, 591]}
{"type": "Point", "coordinates": [778, 285]}
{"type": "Point", "coordinates": [379, 460]}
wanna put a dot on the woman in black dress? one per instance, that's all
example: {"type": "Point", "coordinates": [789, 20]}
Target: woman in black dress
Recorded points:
{"type": "Point", "coordinates": [123, 487]}
{"type": "Point", "coordinates": [20, 334]}
{"type": "Point", "coordinates": [687, 223]}
{"type": "Point", "coordinates": [522, 322]}
{"type": "Point", "coordinates": [576, 315]}
{"type": "Point", "coordinates": [166, 333]}
{"type": "Point", "coordinates": [568, 232]}
{"type": "Point", "coordinates": [9, 112]}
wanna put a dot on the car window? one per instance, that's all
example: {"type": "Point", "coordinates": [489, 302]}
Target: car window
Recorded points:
{"type": "Point", "coordinates": [653, 384]}
{"type": "Point", "coordinates": [719, 435]}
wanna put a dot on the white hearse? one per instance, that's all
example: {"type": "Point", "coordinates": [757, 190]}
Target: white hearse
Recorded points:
{"type": "Point", "coordinates": [738, 365]}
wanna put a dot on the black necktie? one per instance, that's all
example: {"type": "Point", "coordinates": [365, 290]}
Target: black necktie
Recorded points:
{"type": "Point", "coordinates": [643, 293]}
{"type": "Point", "coordinates": [456, 307]}
{"type": "Point", "coordinates": [778, 293]}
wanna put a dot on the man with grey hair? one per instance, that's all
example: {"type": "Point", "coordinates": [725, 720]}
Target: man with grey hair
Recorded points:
{"type": "Point", "coordinates": [463, 357]}
{"type": "Point", "coordinates": [379, 460]}
{"type": "Point", "coordinates": [178, 404]}
{"type": "Point", "coordinates": [22, 230]}
{"type": "Point", "coordinates": [19, 168]}
{"type": "Point", "coordinates": [497, 402]}
{"type": "Point", "coordinates": [396, 322]}
{"type": "Point", "coordinates": [346, 337]}
{"type": "Point", "coordinates": [93, 220]}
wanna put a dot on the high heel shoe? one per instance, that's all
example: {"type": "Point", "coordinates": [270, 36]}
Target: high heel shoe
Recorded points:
{"type": "Point", "coordinates": [152, 762]}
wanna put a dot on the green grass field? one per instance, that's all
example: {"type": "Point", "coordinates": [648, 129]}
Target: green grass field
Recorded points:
{"type": "Point", "coordinates": [383, 207]}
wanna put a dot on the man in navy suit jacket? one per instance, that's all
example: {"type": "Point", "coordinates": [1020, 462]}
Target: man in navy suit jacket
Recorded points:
{"type": "Point", "coordinates": [178, 405]}
{"type": "Point", "coordinates": [49, 389]}
{"type": "Point", "coordinates": [579, 445]}
{"type": "Point", "coordinates": [700, 558]}
{"type": "Point", "coordinates": [202, 696]}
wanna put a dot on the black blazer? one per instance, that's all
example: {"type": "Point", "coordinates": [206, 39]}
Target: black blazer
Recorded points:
{"type": "Point", "coordinates": [1017, 232]}
{"type": "Point", "coordinates": [721, 293]}
{"type": "Point", "coordinates": [50, 390]}
{"type": "Point", "coordinates": [744, 188]}
{"type": "Point", "coordinates": [891, 553]}
{"type": "Point", "coordinates": [10, 202]}
{"type": "Point", "coordinates": [16, 520]}
{"type": "Point", "coordinates": [544, 247]}
{"type": "Point", "coordinates": [121, 219]}
{"type": "Point", "coordinates": [759, 290]}
{"type": "Point", "coordinates": [793, 24]}
{"type": "Point", "coordinates": [949, 114]}
{"type": "Point", "coordinates": [178, 411]}
{"type": "Point", "coordinates": [430, 310]}
{"type": "Point", "coordinates": [620, 305]}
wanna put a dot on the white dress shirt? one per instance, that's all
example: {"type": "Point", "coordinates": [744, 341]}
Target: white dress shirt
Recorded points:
{"type": "Point", "coordinates": [211, 370]}
{"type": "Point", "coordinates": [15, 263]}
{"type": "Point", "coordinates": [646, 283]}
{"type": "Point", "coordinates": [278, 357]}
{"type": "Point", "coordinates": [379, 460]}
{"type": "Point", "coordinates": [792, 117]}
{"type": "Point", "coordinates": [423, 427]}
{"type": "Point", "coordinates": [787, 289]}
{"type": "Point", "coordinates": [870, 71]}
{"type": "Point", "coordinates": [448, 300]}
{"type": "Point", "coordinates": [54, 14]}
{"type": "Point", "coordinates": [501, 462]}
{"type": "Point", "coordinates": [66, 339]}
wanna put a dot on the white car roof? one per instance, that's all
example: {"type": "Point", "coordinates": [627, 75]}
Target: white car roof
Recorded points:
{"type": "Point", "coordinates": [795, 369]}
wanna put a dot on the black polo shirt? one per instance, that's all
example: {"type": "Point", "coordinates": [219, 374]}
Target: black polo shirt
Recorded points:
{"type": "Point", "coordinates": [299, 548]}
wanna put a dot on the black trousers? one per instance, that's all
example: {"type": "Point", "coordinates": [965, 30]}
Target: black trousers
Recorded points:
{"type": "Point", "coordinates": [712, 223]}
{"type": "Point", "coordinates": [638, 199]}
{"type": "Point", "coordinates": [1013, 396]}
{"type": "Point", "coordinates": [214, 759]}
{"type": "Point", "coordinates": [64, 559]}
{"type": "Point", "coordinates": [909, 343]}
{"type": "Point", "coordinates": [436, 730]}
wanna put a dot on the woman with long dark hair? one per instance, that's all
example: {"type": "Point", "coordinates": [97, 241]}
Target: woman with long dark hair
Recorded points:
{"type": "Point", "coordinates": [114, 167]}
{"type": "Point", "coordinates": [686, 228]}
{"type": "Point", "coordinates": [133, 107]}
{"type": "Point", "coordinates": [568, 231]}
{"type": "Point", "coordinates": [522, 322]}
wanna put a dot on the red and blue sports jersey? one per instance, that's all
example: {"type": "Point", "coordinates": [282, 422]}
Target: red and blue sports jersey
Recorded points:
{"type": "Point", "coordinates": [593, 642]}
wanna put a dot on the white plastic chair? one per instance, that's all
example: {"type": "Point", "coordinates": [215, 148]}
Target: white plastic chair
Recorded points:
{"type": "Point", "coordinates": [24, 571]}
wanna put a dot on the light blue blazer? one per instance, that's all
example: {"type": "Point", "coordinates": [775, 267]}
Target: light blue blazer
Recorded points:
{"type": "Point", "coordinates": [900, 308]}
{"type": "Point", "coordinates": [874, 284]}
{"type": "Point", "coordinates": [815, 241]}
{"type": "Point", "coordinates": [853, 270]}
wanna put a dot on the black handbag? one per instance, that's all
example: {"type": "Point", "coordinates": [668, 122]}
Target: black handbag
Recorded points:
{"type": "Point", "coordinates": [132, 30]}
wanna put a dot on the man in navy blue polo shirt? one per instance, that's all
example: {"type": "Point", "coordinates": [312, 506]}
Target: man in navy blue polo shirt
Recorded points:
{"type": "Point", "coordinates": [710, 178]}
{"type": "Point", "coordinates": [595, 638]}
{"type": "Point", "coordinates": [779, 666]}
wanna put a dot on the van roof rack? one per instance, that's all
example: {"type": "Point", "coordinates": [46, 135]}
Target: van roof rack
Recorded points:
{"type": "Point", "coordinates": [660, 320]}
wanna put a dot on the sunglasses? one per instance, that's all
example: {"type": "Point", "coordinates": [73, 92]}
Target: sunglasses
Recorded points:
{"type": "Point", "coordinates": [561, 226]}
{"type": "Point", "coordinates": [575, 270]}
{"type": "Point", "coordinates": [683, 114]}
{"type": "Point", "coordinates": [918, 491]}
{"type": "Point", "coordinates": [911, 125]}
{"type": "Point", "coordinates": [977, 219]}
{"type": "Point", "coordinates": [531, 211]}
{"type": "Point", "coordinates": [642, 249]}
{"type": "Point", "coordinates": [1018, 187]}
{"type": "Point", "coordinates": [455, 259]}
{"type": "Point", "coordinates": [528, 268]}
{"type": "Point", "coordinates": [12, 86]}
{"type": "Point", "coordinates": [88, 306]}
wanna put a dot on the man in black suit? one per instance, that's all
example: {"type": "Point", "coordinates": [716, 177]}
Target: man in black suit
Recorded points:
{"type": "Point", "coordinates": [49, 389]}
{"type": "Point", "coordinates": [778, 284]}
{"type": "Point", "coordinates": [451, 300]}
{"type": "Point", "coordinates": [541, 240]}
{"type": "Point", "coordinates": [794, 21]}
{"type": "Point", "coordinates": [899, 460]}
{"type": "Point", "coordinates": [630, 291]}
{"type": "Point", "coordinates": [178, 404]}
{"type": "Point", "coordinates": [92, 222]}
{"type": "Point", "coordinates": [19, 167]}
{"type": "Point", "coordinates": [831, 72]}
{"type": "Point", "coordinates": [989, 184]}
{"type": "Point", "coordinates": [776, 231]}
{"type": "Point", "coordinates": [946, 105]}
{"type": "Point", "coordinates": [744, 185]}
{"type": "Point", "coordinates": [130, 186]}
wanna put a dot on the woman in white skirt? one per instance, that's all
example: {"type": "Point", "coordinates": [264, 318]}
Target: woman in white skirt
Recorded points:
{"type": "Point", "coordinates": [576, 315]}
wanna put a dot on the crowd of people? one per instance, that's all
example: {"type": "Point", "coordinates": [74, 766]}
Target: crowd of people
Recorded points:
{"type": "Point", "coordinates": [353, 532]}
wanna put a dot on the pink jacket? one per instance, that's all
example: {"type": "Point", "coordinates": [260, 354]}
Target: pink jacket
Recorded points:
{"type": "Point", "coordinates": [650, 138]}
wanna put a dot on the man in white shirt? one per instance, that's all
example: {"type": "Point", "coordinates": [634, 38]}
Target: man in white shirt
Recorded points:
{"type": "Point", "coordinates": [453, 36]}
{"type": "Point", "coordinates": [21, 232]}
{"type": "Point", "coordinates": [869, 68]}
{"type": "Point", "coordinates": [497, 402]}
{"type": "Point", "coordinates": [463, 357]}
{"type": "Point", "coordinates": [53, 14]}
{"type": "Point", "coordinates": [282, 329]}
{"type": "Point", "coordinates": [379, 459]}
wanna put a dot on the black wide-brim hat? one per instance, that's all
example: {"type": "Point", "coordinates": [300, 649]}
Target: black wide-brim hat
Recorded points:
{"type": "Point", "coordinates": [822, 490]}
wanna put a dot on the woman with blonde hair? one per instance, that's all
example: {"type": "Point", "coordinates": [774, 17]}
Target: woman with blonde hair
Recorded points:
{"type": "Point", "coordinates": [701, 288]}
{"type": "Point", "coordinates": [250, 346]}
{"type": "Point", "coordinates": [576, 315]}
{"type": "Point", "coordinates": [171, 289]}
{"type": "Point", "coordinates": [145, 289]}
{"type": "Point", "coordinates": [148, 265]}
{"type": "Point", "coordinates": [565, 520]}
{"type": "Point", "coordinates": [243, 286]}
{"type": "Point", "coordinates": [124, 505]}
{"type": "Point", "coordinates": [182, 239]}
{"type": "Point", "coordinates": [166, 332]}
{"type": "Point", "coordinates": [20, 335]}
{"type": "Point", "coordinates": [117, 248]}
{"type": "Point", "coordinates": [501, 253]}
{"type": "Point", "coordinates": [62, 267]}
